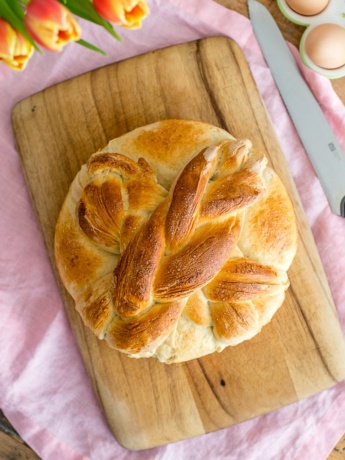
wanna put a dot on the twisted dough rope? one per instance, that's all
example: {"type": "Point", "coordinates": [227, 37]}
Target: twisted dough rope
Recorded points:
{"type": "Point", "coordinates": [178, 249]}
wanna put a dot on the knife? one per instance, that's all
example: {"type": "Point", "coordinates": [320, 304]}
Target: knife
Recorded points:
{"type": "Point", "coordinates": [316, 135]}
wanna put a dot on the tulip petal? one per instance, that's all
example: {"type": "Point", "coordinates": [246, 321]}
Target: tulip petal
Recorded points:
{"type": "Point", "coordinates": [51, 24]}
{"type": "Point", "coordinates": [47, 11]}
{"type": "Point", "coordinates": [126, 13]}
{"type": "Point", "coordinates": [15, 50]}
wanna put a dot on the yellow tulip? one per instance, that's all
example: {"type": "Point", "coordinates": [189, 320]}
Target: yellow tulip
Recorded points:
{"type": "Point", "coordinates": [51, 24]}
{"type": "Point", "coordinates": [125, 13]}
{"type": "Point", "coordinates": [15, 50]}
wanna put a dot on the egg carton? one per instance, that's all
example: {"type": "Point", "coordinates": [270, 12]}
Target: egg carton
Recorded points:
{"type": "Point", "coordinates": [330, 13]}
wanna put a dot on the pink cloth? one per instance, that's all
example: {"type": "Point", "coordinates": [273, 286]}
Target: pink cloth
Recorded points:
{"type": "Point", "coordinates": [44, 388]}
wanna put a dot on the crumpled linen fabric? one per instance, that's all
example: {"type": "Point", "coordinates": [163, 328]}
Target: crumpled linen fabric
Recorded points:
{"type": "Point", "coordinates": [44, 388]}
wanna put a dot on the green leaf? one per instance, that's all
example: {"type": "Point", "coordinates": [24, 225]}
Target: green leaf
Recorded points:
{"type": "Point", "coordinates": [12, 12]}
{"type": "Point", "coordinates": [15, 6]}
{"type": "Point", "coordinates": [90, 46]}
{"type": "Point", "coordinates": [85, 9]}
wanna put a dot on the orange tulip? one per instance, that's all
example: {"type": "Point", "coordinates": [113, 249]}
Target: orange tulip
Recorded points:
{"type": "Point", "coordinates": [15, 50]}
{"type": "Point", "coordinates": [51, 24]}
{"type": "Point", "coordinates": [125, 13]}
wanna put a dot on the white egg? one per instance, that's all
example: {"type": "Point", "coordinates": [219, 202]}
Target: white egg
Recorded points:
{"type": "Point", "coordinates": [325, 46]}
{"type": "Point", "coordinates": [307, 7]}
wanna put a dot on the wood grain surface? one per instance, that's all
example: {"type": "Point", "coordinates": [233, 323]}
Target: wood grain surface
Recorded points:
{"type": "Point", "coordinates": [291, 32]}
{"type": "Point", "coordinates": [338, 452]}
{"type": "Point", "coordinates": [11, 444]}
{"type": "Point", "coordinates": [299, 353]}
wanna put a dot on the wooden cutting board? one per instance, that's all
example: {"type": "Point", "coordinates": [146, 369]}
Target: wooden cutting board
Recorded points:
{"type": "Point", "coordinates": [299, 353]}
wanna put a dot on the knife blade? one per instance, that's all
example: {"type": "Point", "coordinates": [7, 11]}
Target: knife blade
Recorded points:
{"type": "Point", "coordinates": [315, 133]}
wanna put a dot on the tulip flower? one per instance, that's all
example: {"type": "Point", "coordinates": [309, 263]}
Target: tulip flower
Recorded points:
{"type": "Point", "coordinates": [51, 24]}
{"type": "Point", "coordinates": [15, 50]}
{"type": "Point", "coordinates": [125, 13]}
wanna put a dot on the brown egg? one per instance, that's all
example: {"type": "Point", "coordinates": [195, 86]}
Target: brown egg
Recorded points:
{"type": "Point", "coordinates": [307, 7]}
{"type": "Point", "coordinates": [325, 46]}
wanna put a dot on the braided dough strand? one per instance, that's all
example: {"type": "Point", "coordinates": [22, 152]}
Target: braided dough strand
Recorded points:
{"type": "Point", "coordinates": [172, 254]}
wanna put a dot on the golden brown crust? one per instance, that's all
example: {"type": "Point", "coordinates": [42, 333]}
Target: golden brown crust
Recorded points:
{"type": "Point", "coordinates": [190, 268]}
{"type": "Point", "coordinates": [134, 275]}
{"type": "Point", "coordinates": [95, 306]}
{"type": "Point", "coordinates": [190, 187]}
{"type": "Point", "coordinates": [271, 225]}
{"type": "Point", "coordinates": [197, 309]}
{"type": "Point", "coordinates": [138, 334]}
{"type": "Point", "coordinates": [100, 212]}
{"type": "Point", "coordinates": [174, 241]}
{"type": "Point", "coordinates": [233, 321]}
{"type": "Point", "coordinates": [243, 279]}
{"type": "Point", "coordinates": [78, 260]}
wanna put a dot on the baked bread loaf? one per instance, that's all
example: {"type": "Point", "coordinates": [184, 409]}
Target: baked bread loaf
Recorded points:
{"type": "Point", "coordinates": [175, 240]}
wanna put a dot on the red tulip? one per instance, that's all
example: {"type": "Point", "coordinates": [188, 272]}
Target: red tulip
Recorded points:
{"type": "Point", "coordinates": [125, 13]}
{"type": "Point", "coordinates": [15, 50]}
{"type": "Point", "coordinates": [51, 24]}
